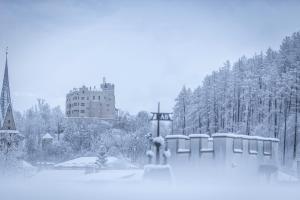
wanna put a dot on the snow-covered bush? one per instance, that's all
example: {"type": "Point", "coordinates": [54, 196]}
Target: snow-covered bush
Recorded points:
{"type": "Point", "coordinates": [158, 141]}
{"type": "Point", "coordinates": [167, 153]}
{"type": "Point", "coordinates": [150, 153]}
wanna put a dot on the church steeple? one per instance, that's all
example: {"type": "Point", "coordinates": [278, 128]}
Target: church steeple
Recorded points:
{"type": "Point", "coordinates": [5, 101]}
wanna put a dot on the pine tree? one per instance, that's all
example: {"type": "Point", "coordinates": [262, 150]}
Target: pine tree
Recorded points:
{"type": "Point", "coordinates": [181, 110]}
{"type": "Point", "coordinates": [254, 96]}
{"type": "Point", "coordinates": [102, 157]}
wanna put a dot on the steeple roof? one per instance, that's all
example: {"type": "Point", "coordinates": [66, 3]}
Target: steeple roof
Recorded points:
{"type": "Point", "coordinates": [5, 102]}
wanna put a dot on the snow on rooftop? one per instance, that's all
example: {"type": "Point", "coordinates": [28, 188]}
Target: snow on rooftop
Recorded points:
{"type": "Point", "coordinates": [47, 136]}
{"type": "Point", "coordinates": [83, 162]}
{"type": "Point", "coordinates": [10, 131]}
{"type": "Point", "coordinates": [199, 136]}
{"type": "Point", "coordinates": [177, 137]}
{"type": "Point", "coordinates": [78, 162]}
{"type": "Point", "coordinates": [249, 137]}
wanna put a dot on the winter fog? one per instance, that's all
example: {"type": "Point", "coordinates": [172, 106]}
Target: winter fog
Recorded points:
{"type": "Point", "coordinates": [149, 100]}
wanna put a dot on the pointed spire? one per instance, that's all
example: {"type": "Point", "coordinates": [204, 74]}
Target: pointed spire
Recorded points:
{"type": "Point", "coordinates": [6, 53]}
{"type": "Point", "coordinates": [5, 100]}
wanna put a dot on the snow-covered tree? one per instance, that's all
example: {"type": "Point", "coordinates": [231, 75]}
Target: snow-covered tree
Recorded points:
{"type": "Point", "coordinates": [181, 109]}
{"type": "Point", "coordinates": [102, 157]}
{"type": "Point", "coordinates": [253, 96]}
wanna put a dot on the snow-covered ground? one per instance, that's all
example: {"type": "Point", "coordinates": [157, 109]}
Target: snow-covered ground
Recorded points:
{"type": "Point", "coordinates": [113, 184]}
{"type": "Point", "coordinates": [79, 176]}
{"type": "Point", "coordinates": [128, 184]}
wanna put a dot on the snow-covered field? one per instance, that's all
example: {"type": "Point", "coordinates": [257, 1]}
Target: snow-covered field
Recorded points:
{"type": "Point", "coordinates": [80, 177]}
{"type": "Point", "coordinates": [128, 184]}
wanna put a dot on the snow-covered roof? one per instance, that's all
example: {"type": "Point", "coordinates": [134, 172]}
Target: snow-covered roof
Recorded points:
{"type": "Point", "coordinates": [231, 135]}
{"type": "Point", "coordinates": [10, 131]}
{"type": "Point", "coordinates": [177, 137]}
{"type": "Point", "coordinates": [199, 136]}
{"type": "Point", "coordinates": [249, 137]}
{"type": "Point", "coordinates": [47, 136]}
{"type": "Point", "coordinates": [83, 162]}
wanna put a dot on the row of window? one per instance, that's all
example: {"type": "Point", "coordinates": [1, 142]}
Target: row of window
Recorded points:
{"type": "Point", "coordinates": [87, 98]}
{"type": "Point", "coordinates": [81, 111]}
{"type": "Point", "coordinates": [83, 104]}
{"type": "Point", "coordinates": [252, 146]}
{"type": "Point", "coordinates": [76, 111]}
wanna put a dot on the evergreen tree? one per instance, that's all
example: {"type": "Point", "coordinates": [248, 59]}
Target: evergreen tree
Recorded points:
{"type": "Point", "coordinates": [102, 157]}
{"type": "Point", "coordinates": [253, 96]}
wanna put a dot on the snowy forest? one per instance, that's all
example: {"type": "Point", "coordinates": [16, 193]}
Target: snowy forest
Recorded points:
{"type": "Point", "coordinates": [124, 137]}
{"type": "Point", "coordinates": [253, 96]}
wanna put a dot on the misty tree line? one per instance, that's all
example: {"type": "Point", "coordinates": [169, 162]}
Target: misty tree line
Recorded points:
{"type": "Point", "coordinates": [253, 96]}
{"type": "Point", "coordinates": [124, 137]}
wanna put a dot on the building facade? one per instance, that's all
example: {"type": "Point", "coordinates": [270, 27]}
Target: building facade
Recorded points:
{"type": "Point", "coordinates": [88, 102]}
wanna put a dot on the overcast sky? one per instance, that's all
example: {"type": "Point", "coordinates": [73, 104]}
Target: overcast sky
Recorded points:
{"type": "Point", "coordinates": [148, 49]}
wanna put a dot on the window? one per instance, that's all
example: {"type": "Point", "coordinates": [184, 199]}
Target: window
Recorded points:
{"type": "Point", "coordinates": [87, 98]}
{"type": "Point", "coordinates": [238, 145]}
{"type": "Point", "coordinates": [81, 111]}
{"type": "Point", "coordinates": [93, 97]}
{"type": "Point", "coordinates": [82, 104]}
{"type": "Point", "coordinates": [267, 147]}
{"type": "Point", "coordinates": [8, 121]}
{"type": "Point", "coordinates": [82, 98]}
{"type": "Point", "coordinates": [99, 98]}
{"type": "Point", "coordinates": [181, 143]}
{"type": "Point", "coordinates": [253, 146]}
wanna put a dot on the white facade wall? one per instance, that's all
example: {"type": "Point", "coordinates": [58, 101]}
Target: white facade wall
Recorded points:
{"type": "Point", "coordinates": [88, 102]}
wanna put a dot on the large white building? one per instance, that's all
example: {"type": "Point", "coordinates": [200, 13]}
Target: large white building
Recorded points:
{"type": "Point", "coordinates": [92, 102]}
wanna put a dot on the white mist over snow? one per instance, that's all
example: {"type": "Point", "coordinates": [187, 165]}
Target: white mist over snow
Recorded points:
{"type": "Point", "coordinates": [128, 184]}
